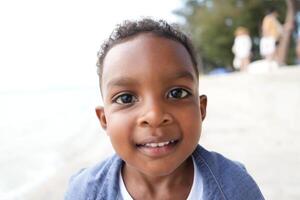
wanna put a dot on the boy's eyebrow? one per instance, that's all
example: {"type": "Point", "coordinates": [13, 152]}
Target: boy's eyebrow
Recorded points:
{"type": "Point", "coordinates": [121, 82]}
{"type": "Point", "coordinates": [183, 74]}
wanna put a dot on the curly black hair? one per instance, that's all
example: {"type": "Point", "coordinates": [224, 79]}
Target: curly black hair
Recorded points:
{"type": "Point", "coordinates": [129, 29]}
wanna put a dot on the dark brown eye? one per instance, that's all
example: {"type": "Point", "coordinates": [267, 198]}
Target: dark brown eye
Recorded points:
{"type": "Point", "coordinates": [125, 99]}
{"type": "Point", "coordinates": [178, 93]}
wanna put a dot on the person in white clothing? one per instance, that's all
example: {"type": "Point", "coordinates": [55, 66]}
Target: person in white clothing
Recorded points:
{"type": "Point", "coordinates": [271, 32]}
{"type": "Point", "coordinates": [241, 49]}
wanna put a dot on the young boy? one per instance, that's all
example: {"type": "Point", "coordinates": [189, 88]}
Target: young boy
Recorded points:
{"type": "Point", "coordinates": [153, 115]}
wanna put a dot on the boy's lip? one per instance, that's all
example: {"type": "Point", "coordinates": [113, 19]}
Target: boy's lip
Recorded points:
{"type": "Point", "coordinates": [158, 148]}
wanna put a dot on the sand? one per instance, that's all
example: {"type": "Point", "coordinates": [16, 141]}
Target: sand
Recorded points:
{"type": "Point", "coordinates": [252, 118]}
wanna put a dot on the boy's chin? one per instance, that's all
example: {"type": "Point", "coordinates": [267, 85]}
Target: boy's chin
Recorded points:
{"type": "Point", "coordinates": [159, 169]}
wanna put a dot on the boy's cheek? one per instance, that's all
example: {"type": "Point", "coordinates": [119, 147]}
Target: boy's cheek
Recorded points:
{"type": "Point", "coordinates": [192, 117]}
{"type": "Point", "coordinates": [117, 122]}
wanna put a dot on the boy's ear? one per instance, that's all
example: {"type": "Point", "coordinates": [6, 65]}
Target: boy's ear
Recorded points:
{"type": "Point", "coordinates": [203, 104]}
{"type": "Point", "coordinates": [101, 116]}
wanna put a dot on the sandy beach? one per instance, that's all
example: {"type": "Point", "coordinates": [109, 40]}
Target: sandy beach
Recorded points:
{"type": "Point", "coordinates": [251, 118]}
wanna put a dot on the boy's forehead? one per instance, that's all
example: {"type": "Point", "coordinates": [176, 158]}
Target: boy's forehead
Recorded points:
{"type": "Point", "coordinates": [147, 53]}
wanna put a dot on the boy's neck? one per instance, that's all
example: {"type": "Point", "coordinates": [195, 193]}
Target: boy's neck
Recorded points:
{"type": "Point", "coordinates": [176, 185]}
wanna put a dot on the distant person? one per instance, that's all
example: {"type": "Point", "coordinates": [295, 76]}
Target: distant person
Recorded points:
{"type": "Point", "coordinates": [298, 51]}
{"type": "Point", "coordinates": [241, 49]}
{"type": "Point", "coordinates": [271, 32]}
{"type": "Point", "coordinates": [153, 115]}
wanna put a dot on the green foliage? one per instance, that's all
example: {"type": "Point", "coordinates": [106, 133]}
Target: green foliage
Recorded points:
{"type": "Point", "coordinates": [212, 24]}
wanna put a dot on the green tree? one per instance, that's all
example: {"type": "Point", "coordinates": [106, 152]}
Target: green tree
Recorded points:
{"type": "Point", "coordinates": [212, 24]}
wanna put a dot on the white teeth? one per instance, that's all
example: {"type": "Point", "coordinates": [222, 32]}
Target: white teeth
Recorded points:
{"type": "Point", "coordinates": [161, 144]}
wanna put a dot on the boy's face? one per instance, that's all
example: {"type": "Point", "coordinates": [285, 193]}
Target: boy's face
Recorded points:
{"type": "Point", "coordinates": [152, 111]}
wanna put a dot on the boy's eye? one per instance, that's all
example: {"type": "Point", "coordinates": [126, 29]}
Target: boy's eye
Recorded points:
{"type": "Point", "coordinates": [125, 99]}
{"type": "Point", "coordinates": [178, 93]}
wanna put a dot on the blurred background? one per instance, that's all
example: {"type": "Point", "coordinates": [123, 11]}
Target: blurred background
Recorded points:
{"type": "Point", "coordinates": [49, 88]}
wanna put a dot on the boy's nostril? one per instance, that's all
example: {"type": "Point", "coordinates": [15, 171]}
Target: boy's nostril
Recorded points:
{"type": "Point", "coordinates": [145, 123]}
{"type": "Point", "coordinates": [166, 121]}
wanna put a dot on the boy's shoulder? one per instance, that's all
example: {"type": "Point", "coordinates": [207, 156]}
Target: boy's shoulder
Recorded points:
{"type": "Point", "coordinates": [96, 182]}
{"type": "Point", "coordinates": [224, 178]}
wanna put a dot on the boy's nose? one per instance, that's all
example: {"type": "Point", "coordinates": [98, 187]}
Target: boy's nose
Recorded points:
{"type": "Point", "coordinates": [155, 116]}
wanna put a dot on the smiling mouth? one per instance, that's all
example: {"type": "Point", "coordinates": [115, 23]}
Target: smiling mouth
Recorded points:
{"type": "Point", "coordinates": [158, 144]}
{"type": "Point", "coordinates": [158, 149]}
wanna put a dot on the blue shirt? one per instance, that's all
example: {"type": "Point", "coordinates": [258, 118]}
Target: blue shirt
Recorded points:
{"type": "Point", "coordinates": [223, 179]}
